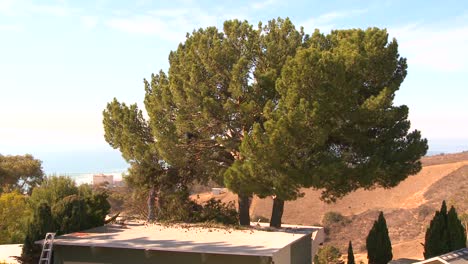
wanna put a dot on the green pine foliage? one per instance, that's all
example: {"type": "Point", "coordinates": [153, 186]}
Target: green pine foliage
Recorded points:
{"type": "Point", "coordinates": [269, 110]}
{"type": "Point", "coordinates": [334, 125]}
{"type": "Point", "coordinates": [218, 83]}
{"type": "Point", "coordinates": [445, 233]}
{"type": "Point", "coordinates": [350, 254]}
{"type": "Point", "coordinates": [379, 247]}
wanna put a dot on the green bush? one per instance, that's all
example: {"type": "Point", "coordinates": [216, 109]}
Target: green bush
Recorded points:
{"type": "Point", "coordinates": [70, 214]}
{"type": "Point", "coordinates": [178, 207]}
{"type": "Point", "coordinates": [62, 210]}
{"type": "Point", "coordinates": [74, 213]}
{"type": "Point", "coordinates": [219, 212]}
{"type": "Point", "coordinates": [331, 218]}
{"type": "Point", "coordinates": [328, 255]}
{"type": "Point", "coordinates": [41, 223]}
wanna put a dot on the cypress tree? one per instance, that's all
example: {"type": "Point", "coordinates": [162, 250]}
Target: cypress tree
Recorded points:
{"type": "Point", "coordinates": [444, 234]}
{"type": "Point", "coordinates": [350, 253]}
{"type": "Point", "coordinates": [456, 231]}
{"type": "Point", "coordinates": [379, 247]}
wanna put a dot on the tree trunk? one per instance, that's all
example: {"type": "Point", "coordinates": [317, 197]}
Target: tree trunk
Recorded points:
{"type": "Point", "coordinates": [277, 212]}
{"type": "Point", "coordinates": [244, 207]}
{"type": "Point", "coordinates": [151, 198]}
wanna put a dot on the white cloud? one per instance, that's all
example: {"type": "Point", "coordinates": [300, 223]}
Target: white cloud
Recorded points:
{"type": "Point", "coordinates": [168, 24]}
{"type": "Point", "coordinates": [54, 10]}
{"type": "Point", "coordinates": [325, 21]}
{"type": "Point", "coordinates": [89, 22]}
{"type": "Point", "coordinates": [440, 48]}
{"type": "Point", "coordinates": [263, 4]}
{"type": "Point", "coordinates": [11, 27]}
{"type": "Point", "coordinates": [6, 7]}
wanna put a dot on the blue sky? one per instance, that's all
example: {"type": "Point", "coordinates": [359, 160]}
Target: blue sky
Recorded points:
{"type": "Point", "coordinates": [62, 61]}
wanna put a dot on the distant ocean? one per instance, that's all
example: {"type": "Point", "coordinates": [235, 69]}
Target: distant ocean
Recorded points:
{"type": "Point", "coordinates": [81, 165]}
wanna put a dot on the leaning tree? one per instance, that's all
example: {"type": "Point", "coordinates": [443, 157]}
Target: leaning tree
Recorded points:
{"type": "Point", "coordinates": [333, 125]}
{"type": "Point", "coordinates": [127, 130]}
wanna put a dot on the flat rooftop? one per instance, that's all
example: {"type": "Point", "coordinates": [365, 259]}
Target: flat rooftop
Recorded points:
{"type": "Point", "coordinates": [255, 241]}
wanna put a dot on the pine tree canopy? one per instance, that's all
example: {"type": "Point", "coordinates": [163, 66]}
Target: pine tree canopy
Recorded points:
{"type": "Point", "coordinates": [268, 110]}
{"type": "Point", "coordinates": [335, 126]}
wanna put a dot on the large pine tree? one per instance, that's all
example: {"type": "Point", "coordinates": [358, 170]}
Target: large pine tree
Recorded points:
{"type": "Point", "coordinates": [218, 84]}
{"type": "Point", "coordinates": [379, 247]}
{"type": "Point", "coordinates": [270, 110]}
{"type": "Point", "coordinates": [444, 234]}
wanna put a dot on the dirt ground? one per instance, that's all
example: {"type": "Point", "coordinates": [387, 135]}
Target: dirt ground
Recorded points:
{"type": "Point", "coordinates": [408, 207]}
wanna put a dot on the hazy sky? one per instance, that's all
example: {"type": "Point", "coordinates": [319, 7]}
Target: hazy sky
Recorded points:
{"type": "Point", "coordinates": [62, 61]}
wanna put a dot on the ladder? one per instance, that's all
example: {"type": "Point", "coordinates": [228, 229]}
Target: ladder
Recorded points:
{"type": "Point", "coordinates": [46, 254]}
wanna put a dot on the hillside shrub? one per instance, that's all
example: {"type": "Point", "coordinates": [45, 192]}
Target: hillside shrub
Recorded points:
{"type": "Point", "coordinates": [331, 218]}
{"type": "Point", "coordinates": [328, 255]}
{"type": "Point", "coordinates": [424, 211]}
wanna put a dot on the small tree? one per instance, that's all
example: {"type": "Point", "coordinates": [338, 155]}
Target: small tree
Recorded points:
{"type": "Point", "coordinates": [445, 233]}
{"type": "Point", "coordinates": [350, 253]}
{"type": "Point", "coordinates": [20, 172]}
{"type": "Point", "coordinates": [379, 247]}
{"type": "Point", "coordinates": [328, 255]}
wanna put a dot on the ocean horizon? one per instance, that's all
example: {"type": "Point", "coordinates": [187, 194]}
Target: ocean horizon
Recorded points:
{"type": "Point", "coordinates": [83, 164]}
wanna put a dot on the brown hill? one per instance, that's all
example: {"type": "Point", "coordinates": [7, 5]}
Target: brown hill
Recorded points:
{"type": "Point", "coordinates": [408, 207]}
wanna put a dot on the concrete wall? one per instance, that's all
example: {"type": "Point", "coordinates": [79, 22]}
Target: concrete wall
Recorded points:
{"type": "Point", "coordinates": [95, 255]}
{"type": "Point", "coordinates": [298, 252]}
{"type": "Point", "coordinates": [301, 252]}
{"type": "Point", "coordinates": [317, 239]}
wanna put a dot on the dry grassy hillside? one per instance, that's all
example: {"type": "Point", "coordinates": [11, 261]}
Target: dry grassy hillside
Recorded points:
{"type": "Point", "coordinates": [408, 207]}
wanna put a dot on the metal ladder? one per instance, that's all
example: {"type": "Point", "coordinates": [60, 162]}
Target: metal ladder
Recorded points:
{"type": "Point", "coordinates": [46, 254]}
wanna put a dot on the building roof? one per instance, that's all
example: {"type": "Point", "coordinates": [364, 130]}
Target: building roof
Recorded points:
{"type": "Point", "coordinates": [259, 241]}
{"type": "Point", "coordinates": [455, 257]}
